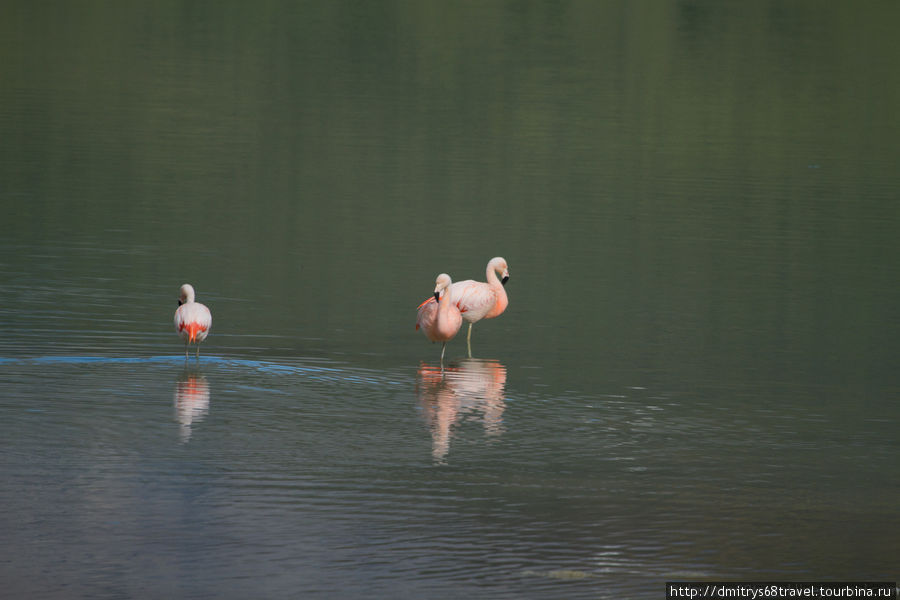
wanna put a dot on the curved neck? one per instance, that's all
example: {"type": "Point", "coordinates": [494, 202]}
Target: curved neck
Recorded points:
{"type": "Point", "coordinates": [445, 302]}
{"type": "Point", "coordinates": [491, 275]}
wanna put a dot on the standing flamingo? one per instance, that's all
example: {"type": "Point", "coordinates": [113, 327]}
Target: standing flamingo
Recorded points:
{"type": "Point", "coordinates": [192, 319]}
{"type": "Point", "coordinates": [477, 300]}
{"type": "Point", "coordinates": [439, 317]}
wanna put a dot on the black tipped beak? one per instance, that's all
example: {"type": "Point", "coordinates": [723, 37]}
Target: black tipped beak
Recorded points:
{"type": "Point", "coordinates": [504, 280]}
{"type": "Point", "coordinates": [180, 303]}
{"type": "Point", "coordinates": [437, 296]}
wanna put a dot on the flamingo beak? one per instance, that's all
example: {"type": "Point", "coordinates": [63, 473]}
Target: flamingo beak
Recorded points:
{"type": "Point", "coordinates": [180, 303]}
{"type": "Point", "coordinates": [505, 279]}
{"type": "Point", "coordinates": [437, 296]}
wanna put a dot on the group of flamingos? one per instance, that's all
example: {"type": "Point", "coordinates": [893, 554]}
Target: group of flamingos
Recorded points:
{"type": "Point", "coordinates": [439, 317]}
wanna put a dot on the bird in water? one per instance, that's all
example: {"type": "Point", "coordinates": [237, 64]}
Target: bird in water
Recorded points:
{"type": "Point", "coordinates": [478, 300]}
{"type": "Point", "coordinates": [439, 317]}
{"type": "Point", "coordinates": [192, 319]}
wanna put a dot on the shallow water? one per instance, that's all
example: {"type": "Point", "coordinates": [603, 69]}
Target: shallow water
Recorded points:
{"type": "Point", "coordinates": [253, 477]}
{"type": "Point", "coordinates": [695, 379]}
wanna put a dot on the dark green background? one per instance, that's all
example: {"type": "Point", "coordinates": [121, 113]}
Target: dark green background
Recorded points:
{"type": "Point", "coordinates": [698, 198]}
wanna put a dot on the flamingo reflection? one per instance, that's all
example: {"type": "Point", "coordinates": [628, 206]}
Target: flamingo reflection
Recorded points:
{"type": "Point", "coordinates": [471, 389]}
{"type": "Point", "coordinates": [191, 402]}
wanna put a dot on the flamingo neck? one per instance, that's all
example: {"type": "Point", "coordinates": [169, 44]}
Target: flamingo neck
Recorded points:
{"type": "Point", "coordinates": [492, 278]}
{"type": "Point", "coordinates": [501, 299]}
{"type": "Point", "coordinates": [444, 303]}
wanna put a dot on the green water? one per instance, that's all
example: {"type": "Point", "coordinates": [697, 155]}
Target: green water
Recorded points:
{"type": "Point", "coordinates": [696, 376]}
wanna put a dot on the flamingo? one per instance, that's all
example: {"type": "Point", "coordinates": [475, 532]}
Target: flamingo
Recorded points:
{"type": "Point", "coordinates": [192, 319]}
{"type": "Point", "coordinates": [439, 317]}
{"type": "Point", "coordinates": [478, 300]}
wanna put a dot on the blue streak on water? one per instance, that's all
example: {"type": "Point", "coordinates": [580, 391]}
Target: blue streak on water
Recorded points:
{"type": "Point", "coordinates": [317, 372]}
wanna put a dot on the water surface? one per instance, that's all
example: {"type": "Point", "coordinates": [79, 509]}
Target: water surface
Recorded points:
{"type": "Point", "coordinates": [695, 379]}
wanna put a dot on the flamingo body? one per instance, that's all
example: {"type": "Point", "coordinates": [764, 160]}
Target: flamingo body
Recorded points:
{"type": "Point", "coordinates": [477, 300]}
{"type": "Point", "coordinates": [439, 317]}
{"type": "Point", "coordinates": [192, 319]}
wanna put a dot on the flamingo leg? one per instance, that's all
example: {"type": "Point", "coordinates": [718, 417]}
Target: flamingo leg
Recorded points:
{"type": "Point", "coordinates": [443, 347]}
{"type": "Point", "coordinates": [469, 340]}
{"type": "Point", "coordinates": [198, 352]}
{"type": "Point", "coordinates": [185, 351]}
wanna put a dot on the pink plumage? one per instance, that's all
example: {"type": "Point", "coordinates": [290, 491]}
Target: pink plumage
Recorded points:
{"type": "Point", "coordinates": [439, 320]}
{"type": "Point", "coordinates": [478, 300]}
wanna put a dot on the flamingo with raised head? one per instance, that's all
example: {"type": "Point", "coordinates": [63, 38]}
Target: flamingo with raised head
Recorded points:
{"type": "Point", "coordinates": [478, 300]}
{"type": "Point", "coordinates": [438, 316]}
{"type": "Point", "coordinates": [192, 319]}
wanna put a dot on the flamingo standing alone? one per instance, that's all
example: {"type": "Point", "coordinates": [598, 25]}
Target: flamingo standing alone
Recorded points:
{"type": "Point", "coordinates": [478, 300]}
{"type": "Point", "coordinates": [439, 317]}
{"type": "Point", "coordinates": [192, 319]}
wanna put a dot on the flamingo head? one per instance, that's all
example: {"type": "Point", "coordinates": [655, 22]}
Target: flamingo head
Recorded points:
{"type": "Point", "coordinates": [442, 282]}
{"type": "Point", "coordinates": [498, 265]}
{"type": "Point", "coordinates": [186, 294]}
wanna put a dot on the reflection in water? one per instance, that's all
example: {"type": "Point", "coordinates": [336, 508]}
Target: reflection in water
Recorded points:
{"type": "Point", "coordinates": [462, 388]}
{"type": "Point", "coordinates": [191, 401]}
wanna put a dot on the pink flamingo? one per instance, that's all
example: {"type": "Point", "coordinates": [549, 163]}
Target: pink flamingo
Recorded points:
{"type": "Point", "coordinates": [477, 300]}
{"type": "Point", "coordinates": [439, 317]}
{"type": "Point", "coordinates": [192, 319]}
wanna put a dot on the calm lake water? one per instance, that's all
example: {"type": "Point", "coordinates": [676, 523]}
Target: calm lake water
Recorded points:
{"type": "Point", "coordinates": [696, 378]}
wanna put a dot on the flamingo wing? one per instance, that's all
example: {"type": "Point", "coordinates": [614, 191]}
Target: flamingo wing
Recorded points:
{"type": "Point", "coordinates": [474, 299]}
{"type": "Point", "coordinates": [426, 314]}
